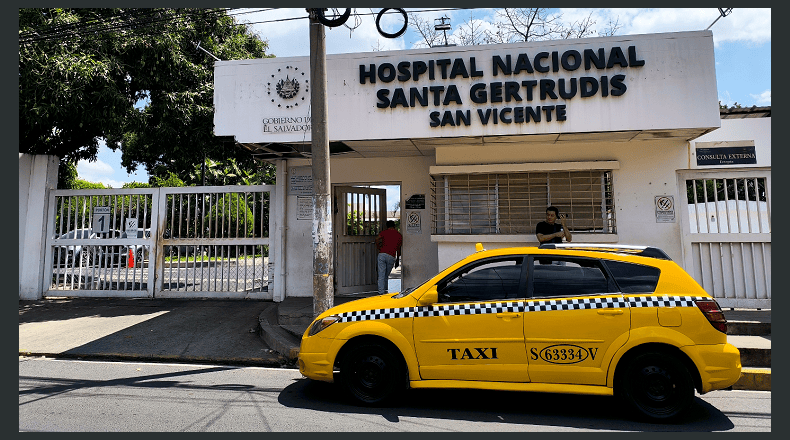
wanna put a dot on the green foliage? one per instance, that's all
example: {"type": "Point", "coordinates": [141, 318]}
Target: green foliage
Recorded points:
{"type": "Point", "coordinates": [354, 223]}
{"type": "Point", "coordinates": [170, 181]}
{"type": "Point", "coordinates": [232, 171]}
{"type": "Point", "coordinates": [133, 185]}
{"type": "Point", "coordinates": [84, 184]}
{"type": "Point", "coordinates": [133, 77]}
{"type": "Point", "coordinates": [230, 217]}
{"type": "Point", "coordinates": [67, 174]}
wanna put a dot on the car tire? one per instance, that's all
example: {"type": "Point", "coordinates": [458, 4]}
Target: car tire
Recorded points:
{"type": "Point", "coordinates": [372, 374]}
{"type": "Point", "coordinates": [657, 386]}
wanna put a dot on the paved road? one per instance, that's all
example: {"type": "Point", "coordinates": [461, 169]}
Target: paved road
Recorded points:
{"type": "Point", "coordinates": [67, 395]}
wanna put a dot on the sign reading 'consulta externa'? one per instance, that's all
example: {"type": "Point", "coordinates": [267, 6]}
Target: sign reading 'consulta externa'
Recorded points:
{"type": "Point", "coordinates": [511, 94]}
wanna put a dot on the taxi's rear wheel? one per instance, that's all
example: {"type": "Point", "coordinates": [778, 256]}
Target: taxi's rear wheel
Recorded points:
{"type": "Point", "coordinates": [657, 386]}
{"type": "Point", "coordinates": [371, 373]}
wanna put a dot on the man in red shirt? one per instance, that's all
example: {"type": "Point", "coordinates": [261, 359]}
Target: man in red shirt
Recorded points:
{"type": "Point", "coordinates": [389, 244]}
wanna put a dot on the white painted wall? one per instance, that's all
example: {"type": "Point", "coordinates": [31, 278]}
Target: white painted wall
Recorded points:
{"type": "Point", "coordinates": [38, 174]}
{"type": "Point", "coordinates": [419, 253]}
{"type": "Point", "coordinates": [757, 130]}
{"type": "Point", "coordinates": [674, 89]}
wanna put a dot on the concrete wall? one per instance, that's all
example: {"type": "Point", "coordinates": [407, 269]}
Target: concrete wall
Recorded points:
{"type": "Point", "coordinates": [646, 169]}
{"type": "Point", "coordinates": [411, 173]}
{"type": "Point", "coordinates": [38, 174]}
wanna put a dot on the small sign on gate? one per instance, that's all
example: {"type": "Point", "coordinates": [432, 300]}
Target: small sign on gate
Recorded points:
{"type": "Point", "coordinates": [101, 219]}
{"type": "Point", "coordinates": [131, 227]}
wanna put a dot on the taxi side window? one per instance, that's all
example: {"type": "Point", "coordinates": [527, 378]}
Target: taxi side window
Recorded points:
{"type": "Point", "coordinates": [554, 276]}
{"type": "Point", "coordinates": [634, 278]}
{"type": "Point", "coordinates": [483, 281]}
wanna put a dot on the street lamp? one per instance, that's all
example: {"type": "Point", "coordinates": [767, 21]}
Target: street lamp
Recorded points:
{"type": "Point", "coordinates": [723, 12]}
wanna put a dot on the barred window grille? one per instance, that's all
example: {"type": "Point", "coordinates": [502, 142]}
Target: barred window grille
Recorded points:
{"type": "Point", "coordinates": [514, 203]}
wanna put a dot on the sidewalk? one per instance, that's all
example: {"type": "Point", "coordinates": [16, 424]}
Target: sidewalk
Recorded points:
{"type": "Point", "coordinates": [238, 332]}
{"type": "Point", "coordinates": [215, 331]}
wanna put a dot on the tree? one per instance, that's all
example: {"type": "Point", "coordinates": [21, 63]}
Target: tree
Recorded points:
{"type": "Point", "coordinates": [133, 77]}
{"type": "Point", "coordinates": [430, 36]}
{"type": "Point", "coordinates": [230, 172]}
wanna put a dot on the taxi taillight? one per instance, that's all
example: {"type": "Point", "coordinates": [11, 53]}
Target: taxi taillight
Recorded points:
{"type": "Point", "coordinates": [710, 308]}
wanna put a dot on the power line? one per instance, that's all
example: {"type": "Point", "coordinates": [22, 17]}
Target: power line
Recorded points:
{"type": "Point", "coordinates": [142, 21]}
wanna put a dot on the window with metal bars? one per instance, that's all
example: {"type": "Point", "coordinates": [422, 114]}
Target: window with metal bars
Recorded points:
{"type": "Point", "coordinates": [514, 203]}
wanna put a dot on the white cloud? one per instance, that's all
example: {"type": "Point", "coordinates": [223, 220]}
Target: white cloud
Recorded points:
{"type": "Point", "coordinates": [746, 25]}
{"type": "Point", "coordinates": [763, 99]}
{"type": "Point", "coordinates": [98, 172]}
{"type": "Point", "coordinates": [93, 170]}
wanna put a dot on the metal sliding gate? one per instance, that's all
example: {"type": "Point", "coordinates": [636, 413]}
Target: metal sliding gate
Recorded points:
{"type": "Point", "coordinates": [187, 242]}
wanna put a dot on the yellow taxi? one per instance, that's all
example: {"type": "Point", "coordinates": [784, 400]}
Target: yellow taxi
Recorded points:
{"type": "Point", "coordinates": [560, 318]}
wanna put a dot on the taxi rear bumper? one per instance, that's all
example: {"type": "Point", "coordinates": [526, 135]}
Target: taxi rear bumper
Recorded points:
{"type": "Point", "coordinates": [719, 365]}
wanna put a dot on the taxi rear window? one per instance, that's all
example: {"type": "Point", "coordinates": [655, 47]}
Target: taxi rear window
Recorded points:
{"type": "Point", "coordinates": [634, 278]}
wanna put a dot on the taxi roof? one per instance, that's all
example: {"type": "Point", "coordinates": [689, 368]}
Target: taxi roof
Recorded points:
{"type": "Point", "coordinates": [642, 251]}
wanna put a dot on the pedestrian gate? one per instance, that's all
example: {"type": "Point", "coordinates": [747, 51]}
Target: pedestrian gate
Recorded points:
{"type": "Point", "coordinates": [187, 242]}
{"type": "Point", "coordinates": [727, 235]}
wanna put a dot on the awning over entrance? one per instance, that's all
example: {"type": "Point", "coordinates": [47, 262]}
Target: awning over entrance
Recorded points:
{"type": "Point", "coordinates": [427, 146]}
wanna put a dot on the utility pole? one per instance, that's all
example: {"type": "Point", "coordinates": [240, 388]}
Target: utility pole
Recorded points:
{"type": "Point", "coordinates": [323, 262]}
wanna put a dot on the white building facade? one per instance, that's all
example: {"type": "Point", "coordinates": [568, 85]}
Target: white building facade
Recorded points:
{"type": "Point", "coordinates": [481, 139]}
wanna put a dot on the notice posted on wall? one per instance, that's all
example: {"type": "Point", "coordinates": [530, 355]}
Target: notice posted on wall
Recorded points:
{"type": "Point", "coordinates": [304, 208]}
{"type": "Point", "coordinates": [300, 181]}
{"type": "Point", "coordinates": [413, 223]}
{"type": "Point", "coordinates": [665, 209]}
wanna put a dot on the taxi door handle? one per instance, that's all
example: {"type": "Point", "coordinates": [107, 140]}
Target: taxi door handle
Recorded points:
{"type": "Point", "coordinates": [508, 315]}
{"type": "Point", "coordinates": [610, 312]}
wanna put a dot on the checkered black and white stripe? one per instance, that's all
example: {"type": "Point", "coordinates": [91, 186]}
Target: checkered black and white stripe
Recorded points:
{"type": "Point", "coordinates": [521, 306]}
{"type": "Point", "coordinates": [663, 301]}
{"type": "Point", "coordinates": [575, 304]}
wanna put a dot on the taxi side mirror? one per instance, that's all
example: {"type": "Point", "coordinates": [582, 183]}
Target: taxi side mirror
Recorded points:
{"type": "Point", "coordinates": [431, 296]}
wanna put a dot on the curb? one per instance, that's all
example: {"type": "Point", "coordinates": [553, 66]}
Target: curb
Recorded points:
{"type": "Point", "coordinates": [755, 357]}
{"type": "Point", "coordinates": [275, 336]}
{"type": "Point", "coordinates": [754, 379]}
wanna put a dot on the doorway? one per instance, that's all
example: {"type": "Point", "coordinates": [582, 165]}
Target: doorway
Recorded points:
{"type": "Point", "coordinates": [360, 213]}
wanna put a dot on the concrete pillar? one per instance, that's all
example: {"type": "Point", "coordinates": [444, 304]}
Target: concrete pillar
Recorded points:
{"type": "Point", "coordinates": [38, 175]}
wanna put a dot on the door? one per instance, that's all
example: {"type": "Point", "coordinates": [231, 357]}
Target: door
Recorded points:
{"type": "Point", "coordinates": [575, 320]}
{"type": "Point", "coordinates": [359, 215]}
{"type": "Point", "coordinates": [476, 330]}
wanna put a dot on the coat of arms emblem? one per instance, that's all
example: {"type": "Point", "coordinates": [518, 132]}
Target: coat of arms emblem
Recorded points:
{"type": "Point", "coordinates": [284, 92]}
{"type": "Point", "coordinates": [287, 88]}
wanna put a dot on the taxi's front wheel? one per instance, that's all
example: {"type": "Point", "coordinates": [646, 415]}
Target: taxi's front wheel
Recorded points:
{"type": "Point", "coordinates": [657, 386]}
{"type": "Point", "coordinates": [371, 373]}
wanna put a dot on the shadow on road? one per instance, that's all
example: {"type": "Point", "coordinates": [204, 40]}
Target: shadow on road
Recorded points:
{"type": "Point", "coordinates": [537, 409]}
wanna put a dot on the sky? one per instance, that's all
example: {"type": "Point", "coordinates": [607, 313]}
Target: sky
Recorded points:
{"type": "Point", "coordinates": [742, 49]}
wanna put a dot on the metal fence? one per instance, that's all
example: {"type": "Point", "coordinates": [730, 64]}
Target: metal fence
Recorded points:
{"type": "Point", "coordinates": [159, 242]}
